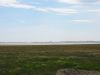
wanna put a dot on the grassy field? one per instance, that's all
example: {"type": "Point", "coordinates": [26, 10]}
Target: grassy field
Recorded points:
{"type": "Point", "coordinates": [47, 59]}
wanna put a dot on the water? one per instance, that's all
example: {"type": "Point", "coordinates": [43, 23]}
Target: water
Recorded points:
{"type": "Point", "coordinates": [47, 43]}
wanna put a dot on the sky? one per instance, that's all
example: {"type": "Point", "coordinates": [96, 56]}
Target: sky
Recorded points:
{"type": "Point", "coordinates": [49, 20]}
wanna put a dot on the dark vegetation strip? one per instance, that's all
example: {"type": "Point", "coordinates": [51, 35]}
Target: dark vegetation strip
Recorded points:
{"type": "Point", "coordinates": [47, 59]}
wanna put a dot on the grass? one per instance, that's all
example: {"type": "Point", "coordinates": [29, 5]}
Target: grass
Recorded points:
{"type": "Point", "coordinates": [47, 59]}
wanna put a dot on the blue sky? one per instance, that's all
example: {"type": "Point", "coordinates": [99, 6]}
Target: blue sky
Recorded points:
{"type": "Point", "coordinates": [49, 20]}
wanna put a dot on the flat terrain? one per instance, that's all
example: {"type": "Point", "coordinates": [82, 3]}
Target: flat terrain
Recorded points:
{"type": "Point", "coordinates": [47, 59]}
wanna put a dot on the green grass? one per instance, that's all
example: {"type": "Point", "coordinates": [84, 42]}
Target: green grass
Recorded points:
{"type": "Point", "coordinates": [47, 59]}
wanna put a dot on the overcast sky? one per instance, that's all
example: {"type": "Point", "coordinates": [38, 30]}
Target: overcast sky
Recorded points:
{"type": "Point", "coordinates": [49, 20]}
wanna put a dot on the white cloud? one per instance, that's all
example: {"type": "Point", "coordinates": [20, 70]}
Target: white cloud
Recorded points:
{"type": "Point", "coordinates": [63, 11]}
{"type": "Point", "coordinates": [41, 9]}
{"type": "Point", "coordinates": [83, 21]}
{"type": "Point", "coordinates": [98, 0]}
{"type": "Point", "coordinates": [16, 4]}
{"type": "Point", "coordinates": [69, 1]}
{"type": "Point", "coordinates": [60, 11]}
{"type": "Point", "coordinates": [78, 1]}
{"type": "Point", "coordinates": [7, 1]}
{"type": "Point", "coordinates": [97, 11]}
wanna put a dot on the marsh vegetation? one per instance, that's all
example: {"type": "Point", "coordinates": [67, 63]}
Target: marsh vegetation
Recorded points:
{"type": "Point", "coordinates": [47, 59]}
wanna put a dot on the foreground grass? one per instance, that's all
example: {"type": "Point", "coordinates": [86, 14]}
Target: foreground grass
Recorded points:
{"type": "Point", "coordinates": [47, 59]}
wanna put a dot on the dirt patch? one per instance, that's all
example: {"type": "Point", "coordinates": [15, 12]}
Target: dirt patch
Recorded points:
{"type": "Point", "coordinates": [76, 72]}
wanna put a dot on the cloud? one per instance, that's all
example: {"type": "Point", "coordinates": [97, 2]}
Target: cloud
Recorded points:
{"type": "Point", "coordinates": [69, 1]}
{"type": "Point", "coordinates": [7, 1]}
{"type": "Point", "coordinates": [63, 11]}
{"type": "Point", "coordinates": [58, 11]}
{"type": "Point", "coordinates": [97, 11]}
{"type": "Point", "coordinates": [22, 6]}
{"type": "Point", "coordinates": [16, 4]}
{"type": "Point", "coordinates": [88, 1]}
{"type": "Point", "coordinates": [41, 9]}
{"type": "Point", "coordinates": [98, 0]}
{"type": "Point", "coordinates": [78, 1]}
{"type": "Point", "coordinates": [83, 21]}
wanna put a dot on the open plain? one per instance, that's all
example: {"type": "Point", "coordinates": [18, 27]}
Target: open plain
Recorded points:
{"type": "Point", "coordinates": [47, 59]}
